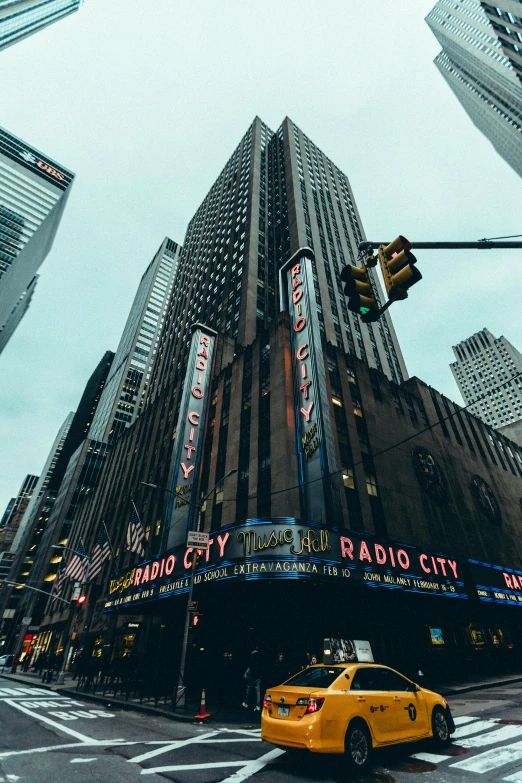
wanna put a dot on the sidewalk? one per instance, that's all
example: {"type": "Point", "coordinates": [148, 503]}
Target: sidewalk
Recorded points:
{"type": "Point", "coordinates": [236, 717]}
{"type": "Point", "coordinates": [228, 716]}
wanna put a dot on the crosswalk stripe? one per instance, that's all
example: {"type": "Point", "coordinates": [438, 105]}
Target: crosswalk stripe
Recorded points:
{"type": "Point", "coordinates": [473, 728]}
{"type": "Point", "coordinates": [491, 759]}
{"type": "Point", "coordinates": [505, 733]}
{"type": "Point", "coordinates": [433, 757]}
{"type": "Point", "coordinates": [463, 719]}
{"type": "Point", "coordinates": [515, 778]}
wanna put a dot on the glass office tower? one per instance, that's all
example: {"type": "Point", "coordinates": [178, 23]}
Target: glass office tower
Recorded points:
{"type": "Point", "coordinates": [33, 193]}
{"type": "Point", "coordinates": [21, 18]}
{"type": "Point", "coordinates": [474, 61]}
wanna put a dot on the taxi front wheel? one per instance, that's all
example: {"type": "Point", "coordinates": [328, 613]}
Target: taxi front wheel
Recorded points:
{"type": "Point", "coordinates": [440, 726]}
{"type": "Point", "coordinates": [357, 746]}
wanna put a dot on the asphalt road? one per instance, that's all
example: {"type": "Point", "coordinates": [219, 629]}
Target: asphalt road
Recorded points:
{"type": "Point", "coordinates": [46, 737]}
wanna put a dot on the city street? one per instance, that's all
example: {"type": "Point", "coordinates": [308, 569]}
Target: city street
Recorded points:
{"type": "Point", "coordinates": [47, 736]}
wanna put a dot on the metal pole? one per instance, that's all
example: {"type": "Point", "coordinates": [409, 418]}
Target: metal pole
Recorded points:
{"type": "Point", "coordinates": [480, 245]}
{"type": "Point", "coordinates": [181, 691]}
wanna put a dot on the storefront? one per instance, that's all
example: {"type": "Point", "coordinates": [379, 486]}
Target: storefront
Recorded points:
{"type": "Point", "coordinates": [283, 586]}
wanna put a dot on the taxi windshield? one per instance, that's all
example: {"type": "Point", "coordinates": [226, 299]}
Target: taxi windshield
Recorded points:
{"type": "Point", "coordinates": [316, 676]}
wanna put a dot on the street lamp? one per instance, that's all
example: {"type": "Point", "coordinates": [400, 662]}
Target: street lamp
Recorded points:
{"type": "Point", "coordinates": [180, 693]}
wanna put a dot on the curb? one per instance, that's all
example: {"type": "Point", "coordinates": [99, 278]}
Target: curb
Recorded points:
{"type": "Point", "coordinates": [479, 687]}
{"type": "Point", "coordinates": [105, 700]}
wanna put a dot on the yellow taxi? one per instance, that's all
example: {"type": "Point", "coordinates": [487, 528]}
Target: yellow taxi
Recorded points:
{"type": "Point", "coordinates": [351, 708]}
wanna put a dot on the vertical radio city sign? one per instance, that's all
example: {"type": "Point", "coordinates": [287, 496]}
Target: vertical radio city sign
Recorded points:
{"type": "Point", "coordinates": [186, 458]}
{"type": "Point", "coordinates": [315, 446]}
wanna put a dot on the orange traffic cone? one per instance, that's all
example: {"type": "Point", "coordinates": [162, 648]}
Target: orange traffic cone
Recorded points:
{"type": "Point", "coordinates": [203, 714]}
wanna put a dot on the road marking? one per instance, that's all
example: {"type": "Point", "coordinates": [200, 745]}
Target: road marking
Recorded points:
{"type": "Point", "coordinates": [233, 739]}
{"type": "Point", "coordinates": [433, 757]}
{"type": "Point", "coordinates": [463, 719]}
{"type": "Point", "coordinates": [505, 733]}
{"type": "Point", "coordinates": [184, 767]}
{"type": "Point", "coordinates": [83, 761]}
{"type": "Point", "coordinates": [50, 748]}
{"type": "Point", "coordinates": [515, 778]}
{"type": "Point", "coordinates": [491, 759]}
{"type": "Point", "coordinates": [253, 766]}
{"type": "Point", "coordinates": [45, 719]}
{"type": "Point", "coordinates": [474, 728]}
{"type": "Point", "coordinates": [172, 746]}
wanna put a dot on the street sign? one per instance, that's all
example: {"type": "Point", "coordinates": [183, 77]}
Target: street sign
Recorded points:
{"type": "Point", "coordinates": [197, 540]}
{"type": "Point", "coordinates": [26, 620]}
{"type": "Point", "coordinates": [192, 606]}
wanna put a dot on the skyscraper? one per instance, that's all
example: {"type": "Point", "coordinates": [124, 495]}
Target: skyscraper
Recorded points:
{"type": "Point", "coordinates": [33, 193]}
{"type": "Point", "coordinates": [506, 20]}
{"type": "Point", "coordinates": [272, 401]}
{"type": "Point", "coordinates": [21, 18]}
{"type": "Point", "coordinates": [123, 394]}
{"type": "Point", "coordinates": [17, 512]}
{"type": "Point", "coordinates": [45, 477]}
{"type": "Point", "coordinates": [474, 63]}
{"type": "Point", "coordinates": [484, 362]}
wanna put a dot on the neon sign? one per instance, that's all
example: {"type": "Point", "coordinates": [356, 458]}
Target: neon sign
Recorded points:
{"type": "Point", "coordinates": [291, 549]}
{"type": "Point", "coordinates": [497, 584]}
{"type": "Point", "coordinates": [313, 427]}
{"type": "Point", "coordinates": [189, 433]}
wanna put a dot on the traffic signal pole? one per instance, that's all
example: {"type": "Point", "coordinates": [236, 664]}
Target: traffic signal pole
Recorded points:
{"type": "Point", "coordinates": [484, 244]}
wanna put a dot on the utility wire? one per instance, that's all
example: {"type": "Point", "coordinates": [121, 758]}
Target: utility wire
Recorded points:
{"type": "Point", "coordinates": [394, 445]}
{"type": "Point", "coordinates": [491, 239]}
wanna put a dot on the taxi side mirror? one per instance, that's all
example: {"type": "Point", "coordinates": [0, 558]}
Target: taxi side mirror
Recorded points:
{"type": "Point", "coordinates": [414, 687]}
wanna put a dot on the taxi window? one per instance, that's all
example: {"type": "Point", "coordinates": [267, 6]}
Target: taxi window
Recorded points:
{"type": "Point", "coordinates": [316, 676]}
{"type": "Point", "coordinates": [368, 679]}
{"type": "Point", "coordinates": [395, 682]}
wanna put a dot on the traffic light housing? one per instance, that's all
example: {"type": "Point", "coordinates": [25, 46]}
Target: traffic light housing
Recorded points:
{"type": "Point", "coordinates": [398, 267]}
{"type": "Point", "coordinates": [195, 617]}
{"type": "Point", "coordinates": [359, 290]}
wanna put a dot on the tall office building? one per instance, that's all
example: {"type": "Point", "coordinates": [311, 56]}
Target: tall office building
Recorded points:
{"type": "Point", "coordinates": [505, 17]}
{"type": "Point", "coordinates": [277, 193]}
{"type": "Point", "coordinates": [33, 193]}
{"type": "Point", "coordinates": [474, 63]}
{"type": "Point", "coordinates": [484, 362]}
{"type": "Point", "coordinates": [21, 18]}
{"type": "Point", "coordinates": [45, 477]}
{"type": "Point", "coordinates": [18, 510]}
{"type": "Point", "coordinates": [123, 395]}
{"type": "Point", "coordinates": [272, 400]}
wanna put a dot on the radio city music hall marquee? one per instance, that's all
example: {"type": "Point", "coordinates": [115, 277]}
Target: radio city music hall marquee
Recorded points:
{"type": "Point", "coordinates": [290, 549]}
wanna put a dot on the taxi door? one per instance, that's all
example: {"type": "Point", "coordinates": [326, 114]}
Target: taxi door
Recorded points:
{"type": "Point", "coordinates": [409, 706]}
{"type": "Point", "coordinates": [374, 703]}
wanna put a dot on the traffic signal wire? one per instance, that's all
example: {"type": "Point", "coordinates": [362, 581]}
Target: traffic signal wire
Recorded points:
{"type": "Point", "coordinates": [394, 445]}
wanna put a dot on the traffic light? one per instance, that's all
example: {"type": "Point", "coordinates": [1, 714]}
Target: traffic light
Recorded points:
{"type": "Point", "coordinates": [361, 297]}
{"type": "Point", "coordinates": [194, 619]}
{"type": "Point", "coordinates": [398, 268]}
{"type": "Point", "coordinates": [81, 600]}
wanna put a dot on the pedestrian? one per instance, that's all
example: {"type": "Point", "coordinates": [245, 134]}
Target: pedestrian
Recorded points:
{"type": "Point", "coordinates": [51, 662]}
{"type": "Point", "coordinates": [307, 661]}
{"type": "Point", "coordinates": [253, 678]}
{"type": "Point", "coordinates": [280, 672]}
{"type": "Point", "coordinates": [44, 662]}
{"type": "Point", "coordinates": [313, 660]}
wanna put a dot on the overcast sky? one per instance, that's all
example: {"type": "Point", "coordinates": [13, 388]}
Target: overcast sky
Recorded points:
{"type": "Point", "coordinates": [146, 101]}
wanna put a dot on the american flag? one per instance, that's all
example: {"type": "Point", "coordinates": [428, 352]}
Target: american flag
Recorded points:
{"type": "Point", "coordinates": [100, 552]}
{"type": "Point", "coordinates": [77, 565]}
{"type": "Point", "coordinates": [135, 533]}
{"type": "Point", "coordinates": [59, 581]}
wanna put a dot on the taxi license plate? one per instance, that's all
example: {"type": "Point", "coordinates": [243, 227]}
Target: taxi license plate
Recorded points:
{"type": "Point", "coordinates": [284, 711]}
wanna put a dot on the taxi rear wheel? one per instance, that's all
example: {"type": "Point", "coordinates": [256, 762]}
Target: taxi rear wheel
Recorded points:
{"type": "Point", "coordinates": [357, 746]}
{"type": "Point", "coordinates": [440, 726]}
